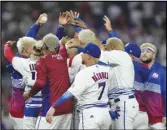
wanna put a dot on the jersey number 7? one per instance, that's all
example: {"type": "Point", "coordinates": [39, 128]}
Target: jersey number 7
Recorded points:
{"type": "Point", "coordinates": [103, 84]}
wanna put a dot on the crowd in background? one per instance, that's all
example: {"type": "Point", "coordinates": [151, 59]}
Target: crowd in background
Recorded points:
{"type": "Point", "coordinates": [135, 22]}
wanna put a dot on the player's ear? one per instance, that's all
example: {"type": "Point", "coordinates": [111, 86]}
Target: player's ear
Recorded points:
{"type": "Point", "coordinates": [89, 57]}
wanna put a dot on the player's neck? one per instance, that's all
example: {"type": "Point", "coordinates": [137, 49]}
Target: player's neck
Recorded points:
{"type": "Point", "coordinates": [91, 62]}
{"type": "Point", "coordinates": [25, 54]}
{"type": "Point", "coordinates": [150, 64]}
{"type": "Point", "coordinates": [34, 57]}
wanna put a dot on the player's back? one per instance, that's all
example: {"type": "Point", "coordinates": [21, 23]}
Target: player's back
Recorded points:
{"type": "Point", "coordinates": [26, 67]}
{"type": "Point", "coordinates": [58, 80]}
{"type": "Point", "coordinates": [96, 80]}
{"type": "Point", "coordinates": [123, 69]}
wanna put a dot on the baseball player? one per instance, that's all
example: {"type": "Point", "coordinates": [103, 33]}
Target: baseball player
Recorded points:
{"type": "Point", "coordinates": [141, 75]}
{"type": "Point", "coordinates": [154, 92]}
{"type": "Point", "coordinates": [17, 102]}
{"type": "Point", "coordinates": [52, 69]}
{"type": "Point", "coordinates": [121, 92]}
{"type": "Point", "coordinates": [26, 67]}
{"type": "Point", "coordinates": [90, 88]}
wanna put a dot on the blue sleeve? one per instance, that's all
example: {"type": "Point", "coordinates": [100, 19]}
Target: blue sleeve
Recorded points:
{"type": "Point", "coordinates": [33, 31]}
{"type": "Point", "coordinates": [163, 89]}
{"type": "Point", "coordinates": [78, 29]}
{"type": "Point", "coordinates": [112, 33]}
{"type": "Point", "coordinates": [60, 32]}
{"type": "Point", "coordinates": [66, 96]}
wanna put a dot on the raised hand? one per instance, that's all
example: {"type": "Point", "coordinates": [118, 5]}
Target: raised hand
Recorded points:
{"type": "Point", "coordinates": [64, 18]}
{"type": "Point", "coordinates": [11, 43]}
{"type": "Point", "coordinates": [107, 23]}
{"type": "Point", "coordinates": [79, 24]}
{"type": "Point", "coordinates": [72, 43]}
{"type": "Point", "coordinates": [64, 40]}
{"type": "Point", "coordinates": [74, 14]}
{"type": "Point", "coordinates": [42, 19]}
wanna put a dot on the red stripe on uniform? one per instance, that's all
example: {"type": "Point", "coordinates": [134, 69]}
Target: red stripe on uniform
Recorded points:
{"type": "Point", "coordinates": [70, 61]}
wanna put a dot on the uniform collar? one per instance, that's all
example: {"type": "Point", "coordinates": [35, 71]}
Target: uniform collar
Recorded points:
{"type": "Point", "coordinates": [18, 55]}
{"type": "Point", "coordinates": [102, 63]}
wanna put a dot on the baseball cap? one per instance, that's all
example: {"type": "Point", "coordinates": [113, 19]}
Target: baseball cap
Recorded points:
{"type": "Point", "coordinates": [92, 49]}
{"type": "Point", "coordinates": [133, 49]}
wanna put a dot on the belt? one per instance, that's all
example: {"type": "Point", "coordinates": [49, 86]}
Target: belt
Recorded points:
{"type": "Point", "coordinates": [98, 106]}
{"type": "Point", "coordinates": [118, 99]}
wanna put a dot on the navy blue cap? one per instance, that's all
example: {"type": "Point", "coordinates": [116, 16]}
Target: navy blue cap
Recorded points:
{"type": "Point", "coordinates": [133, 49]}
{"type": "Point", "coordinates": [93, 50]}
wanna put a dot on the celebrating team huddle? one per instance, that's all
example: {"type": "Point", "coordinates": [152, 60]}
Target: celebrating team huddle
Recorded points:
{"type": "Point", "coordinates": [77, 81]}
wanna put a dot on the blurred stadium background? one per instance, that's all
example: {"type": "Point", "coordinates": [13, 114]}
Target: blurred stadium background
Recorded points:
{"type": "Point", "coordinates": [136, 22]}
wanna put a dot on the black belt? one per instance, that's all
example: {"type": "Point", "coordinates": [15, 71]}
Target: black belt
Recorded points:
{"type": "Point", "coordinates": [117, 99]}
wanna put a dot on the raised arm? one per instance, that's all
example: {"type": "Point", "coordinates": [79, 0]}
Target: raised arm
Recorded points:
{"type": "Point", "coordinates": [63, 20]}
{"type": "Point", "coordinates": [62, 50]}
{"type": "Point", "coordinates": [8, 52]}
{"type": "Point", "coordinates": [109, 28]}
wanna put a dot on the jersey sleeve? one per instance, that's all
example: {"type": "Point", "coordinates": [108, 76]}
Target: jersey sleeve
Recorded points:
{"type": "Point", "coordinates": [111, 58]}
{"type": "Point", "coordinates": [79, 85]}
{"type": "Point", "coordinates": [60, 32]}
{"type": "Point", "coordinates": [32, 32]}
{"type": "Point", "coordinates": [63, 51]}
{"type": "Point", "coordinates": [8, 52]}
{"type": "Point", "coordinates": [17, 64]}
{"type": "Point", "coordinates": [77, 60]}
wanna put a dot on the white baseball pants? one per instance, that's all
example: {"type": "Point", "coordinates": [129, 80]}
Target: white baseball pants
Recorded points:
{"type": "Point", "coordinates": [141, 121]}
{"type": "Point", "coordinates": [157, 126]}
{"type": "Point", "coordinates": [17, 122]}
{"type": "Point", "coordinates": [29, 122]}
{"type": "Point", "coordinates": [95, 118]}
{"type": "Point", "coordinates": [128, 112]}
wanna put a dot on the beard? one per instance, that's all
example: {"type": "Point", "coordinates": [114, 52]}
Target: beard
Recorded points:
{"type": "Point", "coordinates": [146, 60]}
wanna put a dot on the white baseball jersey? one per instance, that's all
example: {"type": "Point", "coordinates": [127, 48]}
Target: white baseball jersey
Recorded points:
{"type": "Point", "coordinates": [122, 72]}
{"type": "Point", "coordinates": [74, 66]}
{"type": "Point", "coordinates": [26, 68]}
{"type": "Point", "coordinates": [91, 86]}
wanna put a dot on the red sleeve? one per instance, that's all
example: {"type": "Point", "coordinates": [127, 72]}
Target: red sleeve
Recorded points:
{"type": "Point", "coordinates": [8, 53]}
{"type": "Point", "coordinates": [41, 77]}
{"type": "Point", "coordinates": [63, 51]}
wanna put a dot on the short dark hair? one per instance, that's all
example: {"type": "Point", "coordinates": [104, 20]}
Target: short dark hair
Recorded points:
{"type": "Point", "coordinates": [69, 30]}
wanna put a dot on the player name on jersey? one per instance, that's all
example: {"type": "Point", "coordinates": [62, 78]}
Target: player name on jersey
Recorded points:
{"type": "Point", "coordinates": [101, 75]}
